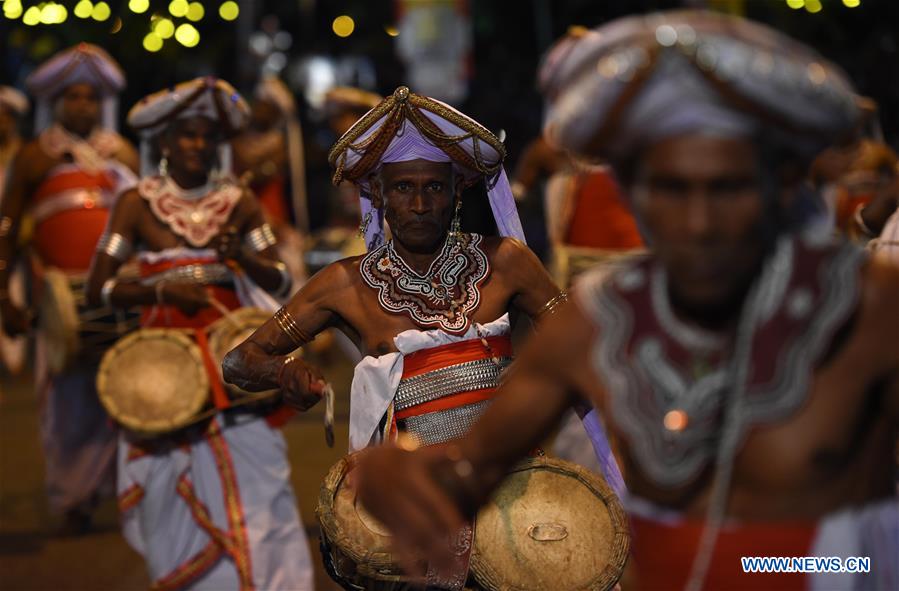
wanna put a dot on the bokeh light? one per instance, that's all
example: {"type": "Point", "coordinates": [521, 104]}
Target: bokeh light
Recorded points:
{"type": "Point", "coordinates": [229, 10]}
{"type": "Point", "coordinates": [101, 11]}
{"type": "Point", "coordinates": [152, 42]}
{"type": "Point", "coordinates": [343, 26]}
{"type": "Point", "coordinates": [187, 35]}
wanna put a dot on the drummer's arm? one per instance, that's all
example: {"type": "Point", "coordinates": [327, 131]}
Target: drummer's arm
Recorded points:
{"type": "Point", "coordinates": [535, 292]}
{"type": "Point", "coordinates": [19, 185]}
{"type": "Point", "coordinates": [102, 287]}
{"type": "Point", "coordinates": [256, 364]}
{"type": "Point", "coordinates": [260, 264]}
{"type": "Point", "coordinates": [12, 208]}
{"type": "Point", "coordinates": [552, 373]}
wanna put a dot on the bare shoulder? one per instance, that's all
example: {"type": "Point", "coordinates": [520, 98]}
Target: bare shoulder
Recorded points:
{"type": "Point", "coordinates": [335, 280]}
{"type": "Point", "coordinates": [508, 252]}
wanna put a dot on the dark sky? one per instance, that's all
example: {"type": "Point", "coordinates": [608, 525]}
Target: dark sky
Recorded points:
{"type": "Point", "coordinates": [509, 38]}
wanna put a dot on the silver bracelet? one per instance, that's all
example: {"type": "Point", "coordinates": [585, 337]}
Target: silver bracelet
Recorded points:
{"type": "Point", "coordinates": [260, 238]}
{"type": "Point", "coordinates": [115, 245]}
{"type": "Point", "coordinates": [106, 292]}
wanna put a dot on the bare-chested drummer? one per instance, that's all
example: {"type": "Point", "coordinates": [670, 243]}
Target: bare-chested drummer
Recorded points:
{"type": "Point", "coordinates": [750, 373]}
{"type": "Point", "coordinates": [432, 301]}
{"type": "Point", "coordinates": [210, 506]}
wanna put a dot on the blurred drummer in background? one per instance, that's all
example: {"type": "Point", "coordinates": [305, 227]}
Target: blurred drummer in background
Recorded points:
{"type": "Point", "coordinates": [748, 370]}
{"type": "Point", "coordinates": [204, 248]}
{"type": "Point", "coordinates": [63, 184]}
{"type": "Point", "coordinates": [270, 153]}
{"type": "Point", "coordinates": [13, 108]}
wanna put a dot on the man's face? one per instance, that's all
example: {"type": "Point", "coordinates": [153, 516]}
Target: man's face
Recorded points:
{"type": "Point", "coordinates": [190, 145]}
{"type": "Point", "coordinates": [701, 202]}
{"type": "Point", "coordinates": [419, 198]}
{"type": "Point", "coordinates": [78, 108]}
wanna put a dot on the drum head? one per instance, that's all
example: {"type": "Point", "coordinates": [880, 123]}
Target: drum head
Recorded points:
{"type": "Point", "coordinates": [228, 332]}
{"type": "Point", "coordinates": [58, 320]}
{"type": "Point", "coordinates": [153, 381]}
{"type": "Point", "coordinates": [550, 525]}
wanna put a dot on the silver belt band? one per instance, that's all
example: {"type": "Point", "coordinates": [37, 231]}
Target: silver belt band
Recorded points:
{"type": "Point", "coordinates": [444, 425]}
{"type": "Point", "coordinates": [66, 200]}
{"type": "Point", "coordinates": [446, 381]}
{"type": "Point", "coordinates": [204, 274]}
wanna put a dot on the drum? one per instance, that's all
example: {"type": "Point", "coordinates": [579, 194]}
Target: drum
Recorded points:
{"type": "Point", "coordinates": [229, 331]}
{"type": "Point", "coordinates": [58, 318]}
{"type": "Point", "coordinates": [72, 331]}
{"type": "Point", "coordinates": [550, 525]}
{"type": "Point", "coordinates": [153, 381]}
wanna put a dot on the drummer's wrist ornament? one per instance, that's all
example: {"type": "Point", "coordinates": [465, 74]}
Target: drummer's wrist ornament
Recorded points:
{"type": "Point", "coordinates": [115, 245]}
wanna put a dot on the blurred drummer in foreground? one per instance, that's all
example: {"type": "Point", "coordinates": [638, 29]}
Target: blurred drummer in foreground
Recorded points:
{"type": "Point", "coordinates": [64, 182]}
{"type": "Point", "coordinates": [203, 247]}
{"type": "Point", "coordinates": [751, 374]}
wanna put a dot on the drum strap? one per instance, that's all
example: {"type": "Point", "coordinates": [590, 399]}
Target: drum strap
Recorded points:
{"type": "Point", "coordinates": [454, 580]}
{"type": "Point", "coordinates": [219, 397]}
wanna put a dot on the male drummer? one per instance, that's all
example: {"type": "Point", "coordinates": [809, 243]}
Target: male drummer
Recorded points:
{"type": "Point", "coordinates": [751, 374]}
{"type": "Point", "coordinates": [430, 286]}
{"type": "Point", "coordinates": [209, 506]}
{"type": "Point", "coordinates": [64, 182]}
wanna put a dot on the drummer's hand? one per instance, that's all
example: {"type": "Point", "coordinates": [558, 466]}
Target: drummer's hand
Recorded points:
{"type": "Point", "coordinates": [189, 298]}
{"type": "Point", "coordinates": [15, 319]}
{"type": "Point", "coordinates": [397, 487]}
{"type": "Point", "coordinates": [228, 245]}
{"type": "Point", "coordinates": [301, 385]}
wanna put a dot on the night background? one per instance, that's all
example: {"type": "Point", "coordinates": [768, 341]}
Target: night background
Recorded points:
{"type": "Point", "coordinates": [508, 39]}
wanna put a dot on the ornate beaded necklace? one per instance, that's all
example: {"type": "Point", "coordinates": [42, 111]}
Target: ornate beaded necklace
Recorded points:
{"type": "Point", "coordinates": [444, 296]}
{"type": "Point", "coordinates": [196, 214]}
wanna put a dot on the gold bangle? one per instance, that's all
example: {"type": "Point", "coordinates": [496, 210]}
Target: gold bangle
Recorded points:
{"type": "Point", "coordinates": [552, 305]}
{"type": "Point", "coordinates": [289, 327]}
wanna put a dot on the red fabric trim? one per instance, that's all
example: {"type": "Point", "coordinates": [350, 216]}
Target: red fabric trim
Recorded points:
{"type": "Point", "coordinates": [426, 360]}
{"type": "Point", "coordinates": [130, 498]}
{"type": "Point", "coordinates": [663, 554]}
{"type": "Point", "coordinates": [240, 551]}
{"type": "Point", "coordinates": [219, 397]}
{"type": "Point", "coordinates": [190, 571]}
{"type": "Point", "coordinates": [447, 402]}
{"type": "Point", "coordinates": [136, 452]}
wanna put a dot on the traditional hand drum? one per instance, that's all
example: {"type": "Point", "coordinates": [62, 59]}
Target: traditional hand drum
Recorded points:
{"type": "Point", "coordinates": [58, 319]}
{"type": "Point", "coordinates": [231, 330]}
{"type": "Point", "coordinates": [153, 381]}
{"type": "Point", "coordinates": [550, 525]}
